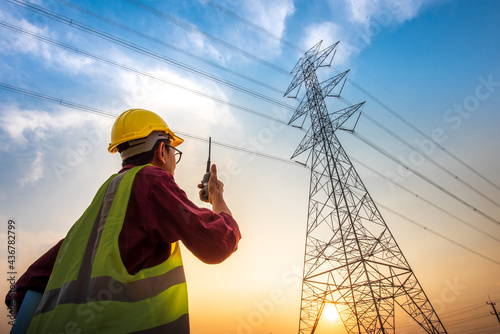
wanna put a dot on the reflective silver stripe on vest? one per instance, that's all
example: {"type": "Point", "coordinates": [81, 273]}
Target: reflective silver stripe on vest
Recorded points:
{"type": "Point", "coordinates": [105, 288]}
{"type": "Point", "coordinates": [95, 235]}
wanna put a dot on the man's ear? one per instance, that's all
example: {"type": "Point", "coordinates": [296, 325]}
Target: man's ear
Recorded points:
{"type": "Point", "coordinates": [161, 153]}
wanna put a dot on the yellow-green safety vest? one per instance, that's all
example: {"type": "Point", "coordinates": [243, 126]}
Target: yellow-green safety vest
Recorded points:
{"type": "Point", "coordinates": [90, 290]}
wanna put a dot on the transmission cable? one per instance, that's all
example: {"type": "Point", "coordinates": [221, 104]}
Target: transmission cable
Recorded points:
{"type": "Point", "coordinates": [101, 112]}
{"type": "Point", "coordinates": [469, 318]}
{"type": "Point", "coordinates": [420, 132]}
{"type": "Point", "coordinates": [434, 162]}
{"type": "Point", "coordinates": [394, 113]}
{"type": "Point", "coordinates": [425, 200]}
{"type": "Point", "coordinates": [147, 52]}
{"type": "Point", "coordinates": [253, 25]}
{"type": "Point", "coordinates": [61, 102]}
{"type": "Point", "coordinates": [96, 111]}
{"type": "Point", "coordinates": [193, 29]}
{"type": "Point", "coordinates": [168, 45]}
{"type": "Point", "coordinates": [131, 69]}
{"type": "Point", "coordinates": [428, 158]}
{"type": "Point", "coordinates": [442, 189]}
{"type": "Point", "coordinates": [472, 312]}
{"type": "Point", "coordinates": [439, 234]}
{"type": "Point", "coordinates": [485, 329]}
{"type": "Point", "coordinates": [465, 309]}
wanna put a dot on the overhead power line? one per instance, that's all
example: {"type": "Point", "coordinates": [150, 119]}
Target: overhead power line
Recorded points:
{"type": "Point", "coordinates": [439, 234]}
{"type": "Point", "coordinates": [423, 134]}
{"type": "Point", "coordinates": [428, 158]}
{"type": "Point", "coordinates": [146, 52]}
{"type": "Point", "coordinates": [92, 56]}
{"type": "Point", "coordinates": [284, 160]}
{"type": "Point", "coordinates": [456, 317]}
{"type": "Point", "coordinates": [432, 161]}
{"type": "Point", "coordinates": [189, 27]}
{"type": "Point", "coordinates": [495, 312]}
{"type": "Point", "coordinates": [426, 179]}
{"type": "Point", "coordinates": [254, 26]}
{"type": "Point", "coordinates": [131, 69]}
{"type": "Point", "coordinates": [151, 53]}
{"type": "Point", "coordinates": [55, 100]}
{"type": "Point", "coordinates": [469, 309]}
{"type": "Point", "coordinates": [168, 45]}
{"type": "Point", "coordinates": [109, 114]}
{"type": "Point", "coordinates": [487, 234]}
{"type": "Point", "coordinates": [193, 29]}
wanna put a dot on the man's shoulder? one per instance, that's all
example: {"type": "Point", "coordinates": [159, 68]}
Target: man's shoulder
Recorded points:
{"type": "Point", "coordinates": [153, 170]}
{"type": "Point", "coordinates": [148, 170]}
{"type": "Point", "coordinates": [153, 174]}
{"type": "Point", "coordinates": [154, 181]}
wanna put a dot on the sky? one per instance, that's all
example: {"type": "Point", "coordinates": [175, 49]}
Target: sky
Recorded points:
{"type": "Point", "coordinates": [427, 69]}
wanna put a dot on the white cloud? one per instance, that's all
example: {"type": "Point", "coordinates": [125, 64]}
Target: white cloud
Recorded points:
{"type": "Point", "coordinates": [330, 33]}
{"type": "Point", "coordinates": [22, 125]}
{"type": "Point", "coordinates": [14, 42]}
{"type": "Point", "coordinates": [181, 108]}
{"type": "Point", "coordinates": [35, 173]}
{"type": "Point", "coordinates": [265, 17]}
{"type": "Point", "coordinates": [38, 136]}
{"type": "Point", "coordinates": [397, 11]}
{"type": "Point", "coordinates": [50, 56]}
{"type": "Point", "coordinates": [270, 15]}
{"type": "Point", "coordinates": [356, 22]}
{"type": "Point", "coordinates": [197, 42]}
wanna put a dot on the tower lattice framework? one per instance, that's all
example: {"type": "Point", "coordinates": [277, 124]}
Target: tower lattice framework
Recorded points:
{"type": "Point", "coordinates": [351, 258]}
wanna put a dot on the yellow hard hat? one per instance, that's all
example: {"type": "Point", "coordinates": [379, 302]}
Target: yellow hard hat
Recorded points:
{"type": "Point", "coordinates": [138, 123]}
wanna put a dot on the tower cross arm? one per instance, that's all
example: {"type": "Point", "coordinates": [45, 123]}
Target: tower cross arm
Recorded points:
{"type": "Point", "coordinates": [339, 117]}
{"type": "Point", "coordinates": [301, 110]}
{"type": "Point", "coordinates": [311, 60]}
{"type": "Point", "coordinates": [307, 143]}
{"type": "Point", "coordinates": [328, 85]}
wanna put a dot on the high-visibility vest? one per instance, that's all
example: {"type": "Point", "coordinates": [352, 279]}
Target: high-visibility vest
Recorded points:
{"type": "Point", "coordinates": [90, 290]}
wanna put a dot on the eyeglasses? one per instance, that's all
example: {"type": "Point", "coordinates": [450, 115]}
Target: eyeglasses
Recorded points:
{"type": "Point", "coordinates": [177, 153]}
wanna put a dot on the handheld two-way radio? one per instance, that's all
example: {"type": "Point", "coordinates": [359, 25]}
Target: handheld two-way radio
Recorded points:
{"type": "Point", "coordinates": [206, 177]}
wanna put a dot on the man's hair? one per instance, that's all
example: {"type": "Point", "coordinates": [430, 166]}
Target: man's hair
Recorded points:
{"type": "Point", "coordinates": [141, 158]}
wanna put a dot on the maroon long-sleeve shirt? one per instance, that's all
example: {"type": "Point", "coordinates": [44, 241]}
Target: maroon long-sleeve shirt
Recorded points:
{"type": "Point", "coordinates": [158, 214]}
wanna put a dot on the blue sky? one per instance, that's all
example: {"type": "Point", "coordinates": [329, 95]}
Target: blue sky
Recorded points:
{"type": "Point", "coordinates": [433, 63]}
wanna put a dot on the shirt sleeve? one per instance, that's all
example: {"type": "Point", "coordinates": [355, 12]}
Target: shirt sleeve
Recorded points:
{"type": "Point", "coordinates": [35, 278]}
{"type": "Point", "coordinates": [211, 237]}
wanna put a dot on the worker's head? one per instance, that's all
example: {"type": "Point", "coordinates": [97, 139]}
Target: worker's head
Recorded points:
{"type": "Point", "coordinates": [142, 137]}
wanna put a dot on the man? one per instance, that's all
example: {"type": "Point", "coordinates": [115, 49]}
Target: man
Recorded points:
{"type": "Point", "coordinates": [119, 269]}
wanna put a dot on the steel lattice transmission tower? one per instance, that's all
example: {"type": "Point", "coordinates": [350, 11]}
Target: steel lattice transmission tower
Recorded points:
{"type": "Point", "coordinates": [351, 258]}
